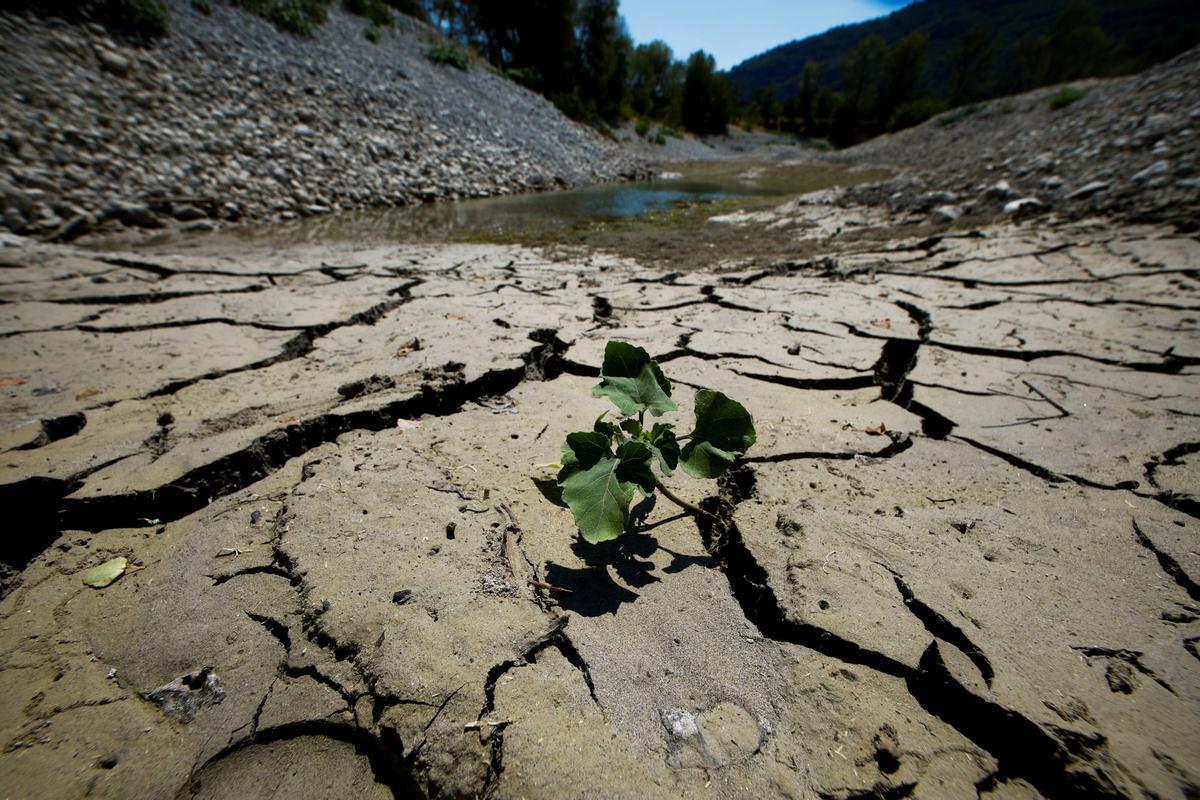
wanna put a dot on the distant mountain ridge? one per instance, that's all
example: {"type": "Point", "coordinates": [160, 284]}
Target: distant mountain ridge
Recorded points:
{"type": "Point", "coordinates": [1145, 32]}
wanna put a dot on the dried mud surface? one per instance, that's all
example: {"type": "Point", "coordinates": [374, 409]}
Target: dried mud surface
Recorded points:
{"type": "Point", "coordinates": [326, 460]}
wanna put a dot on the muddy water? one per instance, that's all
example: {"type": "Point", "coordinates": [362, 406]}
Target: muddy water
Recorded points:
{"type": "Point", "coordinates": [660, 220]}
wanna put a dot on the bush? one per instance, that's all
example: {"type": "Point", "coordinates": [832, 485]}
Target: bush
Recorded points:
{"type": "Point", "coordinates": [526, 76]}
{"type": "Point", "coordinates": [371, 33]}
{"type": "Point", "coordinates": [412, 8]}
{"type": "Point", "coordinates": [203, 6]}
{"type": "Point", "coordinates": [642, 128]}
{"type": "Point", "coordinates": [571, 106]}
{"type": "Point", "coordinates": [373, 10]}
{"type": "Point", "coordinates": [659, 139]}
{"type": "Point", "coordinates": [294, 16]}
{"type": "Point", "coordinates": [959, 114]}
{"type": "Point", "coordinates": [915, 112]}
{"type": "Point", "coordinates": [450, 54]}
{"type": "Point", "coordinates": [146, 18]}
{"type": "Point", "coordinates": [1065, 96]}
{"type": "Point", "coordinates": [143, 19]}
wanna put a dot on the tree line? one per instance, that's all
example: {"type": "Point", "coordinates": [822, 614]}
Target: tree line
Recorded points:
{"type": "Point", "coordinates": [884, 87]}
{"type": "Point", "coordinates": [579, 54]}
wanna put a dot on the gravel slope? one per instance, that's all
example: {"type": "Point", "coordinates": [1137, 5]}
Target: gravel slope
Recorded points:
{"type": "Point", "coordinates": [230, 118]}
{"type": "Point", "coordinates": [1128, 148]}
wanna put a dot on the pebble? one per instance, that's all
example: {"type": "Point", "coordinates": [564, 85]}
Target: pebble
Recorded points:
{"type": "Point", "coordinates": [1022, 205]}
{"type": "Point", "coordinates": [1001, 190]}
{"type": "Point", "coordinates": [1088, 190]}
{"type": "Point", "coordinates": [946, 213]}
{"type": "Point", "coordinates": [1157, 169]}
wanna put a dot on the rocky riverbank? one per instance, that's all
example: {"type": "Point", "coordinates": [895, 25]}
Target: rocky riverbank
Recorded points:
{"type": "Point", "coordinates": [1128, 148]}
{"type": "Point", "coordinates": [229, 118]}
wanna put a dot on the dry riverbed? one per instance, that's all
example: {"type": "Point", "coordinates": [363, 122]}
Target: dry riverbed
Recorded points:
{"type": "Point", "coordinates": [960, 561]}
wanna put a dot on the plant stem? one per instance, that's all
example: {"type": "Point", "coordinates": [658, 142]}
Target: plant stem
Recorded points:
{"type": "Point", "coordinates": [679, 501]}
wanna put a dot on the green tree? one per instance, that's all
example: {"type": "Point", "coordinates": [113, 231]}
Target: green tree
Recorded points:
{"type": "Point", "coordinates": [650, 79]}
{"type": "Point", "coordinates": [602, 63]}
{"type": "Point", "coordinates": [864, 77]}
{"type": "Point", "coordinates": [1076, 46]}
{"type": "Point", "coordinates": [969, 64]}
{"type": "Point", "coordinates": [707, 100]}
{"type": "Point", "coordinates": [675, 81]}
{"type": "Point", "coordinates": [902, 72]}
{"type": "Point", "coordinates": [806, 97]}
{"type": "Point", "coordinates": [766, 108]}
{"type": "Point", "coordinates": [825, 109]}
{"type": "Point", "coordinates": [535, 37]}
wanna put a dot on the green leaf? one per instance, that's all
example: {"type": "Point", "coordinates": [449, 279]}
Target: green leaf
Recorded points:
{"type": "Point", "coordinates": [631, 426]}
{"type": "Point", "coordinates": [607, 429]}
{"type": "Point", "coordinates": [724, 430]}
{"type": "Point", "coordinates": [599, 486]}
{"type": "Point", "coordinates": [635, 466]}
{"type": "Point", "coordinates": [633, 381]}
{"type": "Point", "coordinates": [663, 444]}
{"type": "Point", "coordinates": [585, 449]}
{"type": "Point", "coordinates": [106, 573]}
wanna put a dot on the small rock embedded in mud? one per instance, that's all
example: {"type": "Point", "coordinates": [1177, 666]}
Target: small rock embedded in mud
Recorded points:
{"type": "Point", "coordinates": [1022, 205]}
{"type": "Point", "coordinates": [722, 735]}
{"type": "Point", "coordinates": [494, 584]}
{"type": "Point", "coordinates": [255, 517]}
{"type": "Point", "coordinates": [403, 596]}
{"type": "Point", "coordinates": [450, 528]}
{"type": "Point", "coordinates": [946, 214]}
{"type": "Point", "coordinates": [1087, 190]}
{"type": "Point", "coordinates": [1120, 677]}
{"type": "Point", "coordinates": [183, 697]}
{"type": "Point", "coordinates": [1001, 190]}
{"type": "Point", "coordinates": [679, 724]}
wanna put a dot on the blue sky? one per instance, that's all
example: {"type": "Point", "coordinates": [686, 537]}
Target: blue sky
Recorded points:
{"type": "Point", "coordinates": [733, 32]}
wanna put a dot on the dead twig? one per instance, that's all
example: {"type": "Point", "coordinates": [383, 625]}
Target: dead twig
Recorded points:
{"type": "Point", "coordinates": [450, 488]}
{"type": "Point", "coordinates": [549, 587]}
{"type": "Point", "coordinates": [479, 725]}
{"type": "Point", "coordinates": [1062, 411]}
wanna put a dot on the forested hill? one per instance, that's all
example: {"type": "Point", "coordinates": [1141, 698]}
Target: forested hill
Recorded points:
{"type": "Point", "coordinates": [1018, 38]}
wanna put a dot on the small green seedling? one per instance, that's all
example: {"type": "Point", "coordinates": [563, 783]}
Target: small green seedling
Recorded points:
{"type": "Point", "coordinates": [602, 468]}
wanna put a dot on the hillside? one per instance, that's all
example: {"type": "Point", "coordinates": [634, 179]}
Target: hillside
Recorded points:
{"type": "Point", "coordinates": [1145, 32]}
{"type": "Point", "coordinates": [1125, 149]}
{"type": "Point", "coordinates": [229, 118]}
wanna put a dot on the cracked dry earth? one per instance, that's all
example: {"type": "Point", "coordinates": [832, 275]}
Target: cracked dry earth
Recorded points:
{"type": "Point", "coordinates": [326, 462]}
